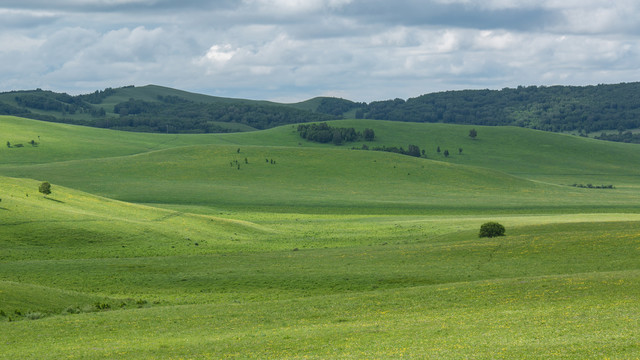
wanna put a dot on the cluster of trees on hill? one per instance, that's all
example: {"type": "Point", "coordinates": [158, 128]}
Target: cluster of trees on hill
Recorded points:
{"type": "Point", "coordinates": [168, 114]}
{"type": "Point", "coordinates": [412, 150]}
{"type": "Point", "coordinates": [98, 96]}
{"type": "Point", "coordinates": [48, 101]}
{"type": "Point", "coordinates": [585, 109]}
{"type": "Point", "coordinates": [337, 107]}
{"type": "Point", "coordinates": [555, 108]}
{"type": "Point", "coordinates": [181, 115]}
{"type": "Point", "coordinates": [323, 133]}
{"type": "Point", "coordinates": [626, 136]}
{"type": "Point", "coordinates": [591, 186]}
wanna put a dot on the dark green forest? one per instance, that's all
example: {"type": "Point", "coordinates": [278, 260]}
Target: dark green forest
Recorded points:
{"type": "Point", "coordinates": [323, 133]}
{"type": "Point", "coordinates": [584, 109]}
{"type": "Point", "coordinates": [172, 114]}
{"type": "Point", "coordinates": [612, 110]}
{"type": "Point", "coordinates": [175, 114]}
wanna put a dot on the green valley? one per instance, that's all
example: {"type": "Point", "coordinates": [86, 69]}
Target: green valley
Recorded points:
{"type": "Point", "coordinates": [261, 244]}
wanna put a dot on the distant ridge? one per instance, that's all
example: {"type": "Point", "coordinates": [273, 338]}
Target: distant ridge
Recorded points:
{"type": "Point", "coordinates": [580, 109]}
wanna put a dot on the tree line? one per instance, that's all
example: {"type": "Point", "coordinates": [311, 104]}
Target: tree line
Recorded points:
{"type": "Point", "coordinates": [583, 109]}
{"type": "Point", "coordinates": [175, 114]}
{"type": "Point", "coordinates": [621, 136]}
{"type": "Point", "coordinates": [168, 114]}
{"type": "Point", "coordinates": [323, 133]}
{"type": "Point", "coordinates": [555, 108]}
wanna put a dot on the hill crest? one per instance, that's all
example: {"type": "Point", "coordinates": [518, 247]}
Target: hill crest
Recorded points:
{"type": "Point", "coordinates": [613, 110]}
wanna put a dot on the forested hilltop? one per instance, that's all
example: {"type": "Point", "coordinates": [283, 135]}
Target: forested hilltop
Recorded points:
{"type": "Point", "coordinates": [154, 109]}
{"type": "Point", "coordinates": [583, 109]}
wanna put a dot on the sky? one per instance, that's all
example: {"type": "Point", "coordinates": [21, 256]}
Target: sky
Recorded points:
{"type": "Point", "coordinates": [292, 50]}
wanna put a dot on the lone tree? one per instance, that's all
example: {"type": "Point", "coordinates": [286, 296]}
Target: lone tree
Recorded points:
{"type": "Point", "coordinates": [45, 188]}
{"type": "Point", "coordinates": [369, 135]}
{"type": "Point", "coordinates": [414, 150]}
{"type": "Point", "coordinates": [491, 229]}
{"type": "Point", "coordinates": [473, 133]}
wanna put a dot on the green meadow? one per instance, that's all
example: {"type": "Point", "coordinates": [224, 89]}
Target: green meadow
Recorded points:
{"type": "Point", "coordinates": [263, 245]}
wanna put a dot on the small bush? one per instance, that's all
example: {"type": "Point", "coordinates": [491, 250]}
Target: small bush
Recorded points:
{"type": "Point", "coordinates": [102, 306]}
{"type": "Point", "coordinates": [34, 315]}
{"type": "Point", "coordinates": [45, 188]}
{"type": "Point", "coordinates": [72, 310]}
{"type": "Point", "coordinates": [491, 229]}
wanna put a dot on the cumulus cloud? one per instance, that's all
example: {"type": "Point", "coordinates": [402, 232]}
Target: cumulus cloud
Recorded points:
{"type": "Point", "coordinates": [294, 49]}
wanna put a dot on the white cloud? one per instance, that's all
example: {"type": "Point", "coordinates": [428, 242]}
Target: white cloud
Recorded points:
{"type": "Point", "coordinates": [286, 49]}
{"type": "Point", "coordinates": [220, 54]}
{"type": "Point", "coordinates": [295, 6]}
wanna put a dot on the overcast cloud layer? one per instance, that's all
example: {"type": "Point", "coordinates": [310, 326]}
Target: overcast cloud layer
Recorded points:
{"type": "Point", "coordinates": [291, 50]}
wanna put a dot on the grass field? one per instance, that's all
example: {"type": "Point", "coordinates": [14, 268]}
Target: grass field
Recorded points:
{"type": "Point", "coordinates": [158, 246]}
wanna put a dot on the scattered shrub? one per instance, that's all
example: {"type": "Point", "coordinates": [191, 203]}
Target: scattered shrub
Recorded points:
{"type": "Point", "coordinates": [102, 306]}
{"type": "Point", "coordinates": [591, 186]}
{"type": "Point", "coordinates": [72, 310]}
{"type": "Point", "coordinates": [34, 315]}
{"type": "Point", "coordinates": [45, 188]}
{"type": "Point", "coordinates": [491, 229]}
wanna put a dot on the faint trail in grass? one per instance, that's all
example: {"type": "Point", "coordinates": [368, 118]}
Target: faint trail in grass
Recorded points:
{"type": "Point", "coordinates": [489, 259]}
{"type": "Point", "coordinates": [160, 145]}
{"type": "Point", "coordinates": [17, 223]}
{"type": "Point", "coordinates": [168, 216]}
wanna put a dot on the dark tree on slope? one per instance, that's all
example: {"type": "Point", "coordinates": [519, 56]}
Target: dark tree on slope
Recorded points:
{"type": "Point", "coordinates": [414, 150]}
{"type": "Point", "coordinates": [45, 188]}
{"type": "Point", "coordinates": [473, 133]}
{"type": "Point", "coordinates": [336, 138]}
{"type": "Point", "coordinates": [491, 229]}
{"type": "Point", "coordinates": [369, 134]}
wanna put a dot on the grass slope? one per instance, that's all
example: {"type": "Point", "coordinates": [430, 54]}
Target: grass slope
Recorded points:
{"type": "Point", "coordinates": [551, 289]}
{"type": "Point", "coordinates": [311, 178]}
{"type": "Point", "coordinates": [328, 253]}
{"type": "Point", "coordinates": [487, 176]}
{"type": "Point", "coordinates": [151, 93]}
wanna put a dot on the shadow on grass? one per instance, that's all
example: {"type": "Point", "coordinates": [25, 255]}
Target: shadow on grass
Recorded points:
{"type": "Point", "coordinates": [1, 208]}
{"type": "Point", "coordinates": [58, 201]}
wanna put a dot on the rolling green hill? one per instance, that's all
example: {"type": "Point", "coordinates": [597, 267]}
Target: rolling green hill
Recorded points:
{"type": "Point", "coordinates": [308, 250]}
{"type": "Point", "coordinates": [555, 108]}
{"type": "Point", "coordinates": [610, 112]}
{"type": "Point", "coordinates": [154, 108]}
{"type": "Point", "coordinates": [503, 168]}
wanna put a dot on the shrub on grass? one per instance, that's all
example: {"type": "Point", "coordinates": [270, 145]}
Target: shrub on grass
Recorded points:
{"type": "Point", "coordinates": [491, 229]}
{"type": "Point", "coordinates": [72, 310]}
{"type": "Point", "coordinates": [45, 188]}
{"type": "Point", "coordinates": [34, 315]}
{"type": "Point", "coordinates": [102, 306]}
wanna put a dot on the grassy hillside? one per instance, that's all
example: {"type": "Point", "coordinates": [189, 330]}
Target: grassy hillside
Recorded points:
{"type": "Point", "coordinates": [304, 179]}
{"type": "Point", "coordinates": [371, 286]}
{"type": "Point", "coordinates": [503, 168]}
{"type": "Point", "coordinates": [324, 252]}
{"type": "Point", "coordinates": [581, 109]}
{"type": "Point", "coordinates": [151, 93]}
{"type": "Point", "coordinates": [537, 155]}
{"type": "Point", "coordinates": [154, 108]}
